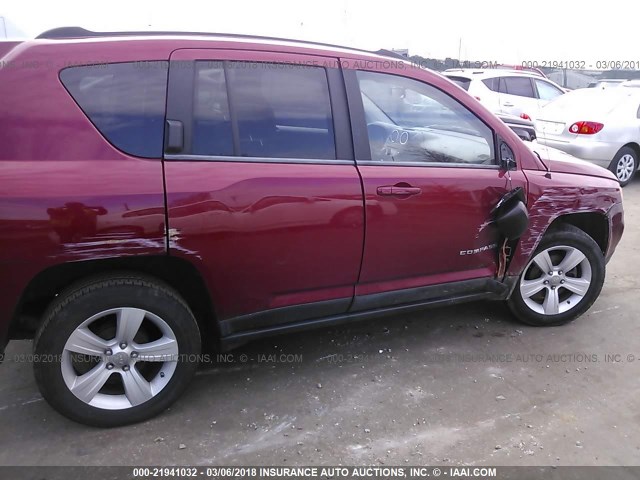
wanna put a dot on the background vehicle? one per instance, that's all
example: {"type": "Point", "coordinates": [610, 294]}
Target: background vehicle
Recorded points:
{"type": "Point", "coordinates": [518, 93]}
{"type": "Point", "coordinates": [226, 188]}
{"type": "Point", "coordinates": [601, 126]}
{"type": "Point", "coordinates": [524, 128]}
{"type": "Point", "coordinates": [606, 83]}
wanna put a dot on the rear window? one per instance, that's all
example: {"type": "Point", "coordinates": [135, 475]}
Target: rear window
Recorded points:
{"type": "Point", "coordinates": [125, 101]}
{"type": "Point", "coordinates": [590, 102]}
{"type": "Point", "coordinates": [463, 82]}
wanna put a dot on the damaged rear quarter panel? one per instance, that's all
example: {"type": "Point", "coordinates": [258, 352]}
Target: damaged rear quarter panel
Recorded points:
{"type": "Point", "coordinates": [551, 198]}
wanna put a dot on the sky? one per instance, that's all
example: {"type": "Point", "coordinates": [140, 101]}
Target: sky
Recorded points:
{"type": "Point", "coordinates": [492, 31]}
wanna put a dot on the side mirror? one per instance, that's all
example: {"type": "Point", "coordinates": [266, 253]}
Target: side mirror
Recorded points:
{"type": "Point", "coordinates": [507, 158]}
{"type": "Point", "coordinates": [511, 215]}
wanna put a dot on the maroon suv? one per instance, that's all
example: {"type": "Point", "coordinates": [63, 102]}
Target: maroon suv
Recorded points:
{"type": "Point", "coordinates": [158, 190]}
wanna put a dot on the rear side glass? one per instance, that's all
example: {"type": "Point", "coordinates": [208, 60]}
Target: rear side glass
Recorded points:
{"type": "Point", "coordinates": [492, 83]}
{"type": "Point", "coordinates": [520, 86]}
{"type": "Point", "coordinates": [461, 81]}
{"type": "Point", "coordinates": [282, 110]}
{"type": "Point", "coordinates": [125, 101]}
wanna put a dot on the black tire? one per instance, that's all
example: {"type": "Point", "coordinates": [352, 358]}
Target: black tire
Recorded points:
{"type": "Point", "coordinates": [88, 298]}
{"type": "Point", "coordinates": [624, 153]}
{"type": "Point", "coordinates": [569, 236]}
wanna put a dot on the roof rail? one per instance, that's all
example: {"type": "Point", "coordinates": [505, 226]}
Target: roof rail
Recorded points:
{"type": "Point", "coordinates": [62, 33]}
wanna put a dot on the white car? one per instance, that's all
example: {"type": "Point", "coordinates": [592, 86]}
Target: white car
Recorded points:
{"type": "Point", "coordinates": [514, 92]}
{"type": "Point", "coordinates": [602, 126]}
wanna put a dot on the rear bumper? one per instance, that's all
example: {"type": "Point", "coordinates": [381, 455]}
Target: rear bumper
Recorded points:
{"type": "Point", "coordinates": [600, 153]}
{"type": "Point", "coordinates": [616, 228]}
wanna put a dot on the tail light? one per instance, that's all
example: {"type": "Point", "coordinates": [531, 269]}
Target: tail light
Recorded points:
{"type": "Point", "coordinates": [586, 128]}
{"type": "Point", "coordinates": [525, 116]}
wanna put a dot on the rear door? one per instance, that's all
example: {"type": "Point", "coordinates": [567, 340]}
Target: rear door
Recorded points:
{"type": "Point", "coordinates": [517, 96]}
{"type": "Point", "coordinates": [263, 195]}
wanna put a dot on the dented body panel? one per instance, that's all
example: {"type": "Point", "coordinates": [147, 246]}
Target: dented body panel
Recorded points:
{"type": "Point", "coordinates": [263, 237]}
{"type": "Point", "coordinates": [554, 195]}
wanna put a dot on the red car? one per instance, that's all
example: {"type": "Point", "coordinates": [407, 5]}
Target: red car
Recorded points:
{"type": "Point", "coordinates": [160, 190]}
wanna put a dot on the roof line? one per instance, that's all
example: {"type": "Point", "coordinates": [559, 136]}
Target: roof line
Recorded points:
{"type": "Point", "coordinates": [63, 33]}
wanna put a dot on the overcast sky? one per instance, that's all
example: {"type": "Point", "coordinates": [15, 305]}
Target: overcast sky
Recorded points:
{"type": "Point", "coordinates": [503, 31]}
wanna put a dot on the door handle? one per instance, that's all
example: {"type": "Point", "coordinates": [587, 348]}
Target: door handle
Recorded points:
{"type": "Point", "coordinates": [507, 104]}
{"type": "Point", "coordinates": [405, 190]}
{"type": "Point", "coordinates": [398, 190]}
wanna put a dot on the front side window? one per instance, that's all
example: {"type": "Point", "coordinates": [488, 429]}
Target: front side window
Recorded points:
{"type": "Point", "coordinates": [546, 91]}
{"type": "Point", "coordinates": [410, 121]}
{"type": "Point", "coordinates": [125, 101]}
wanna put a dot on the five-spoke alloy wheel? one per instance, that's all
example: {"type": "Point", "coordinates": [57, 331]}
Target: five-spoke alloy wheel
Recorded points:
{"type": "Point", "coordinates": [89, 361]}
{"type": "Point", "coordinates": [556, 280]}
{"type": "Point", "coordinates": [122, 348]}
{"type": "Point", "coordinates": [561, 281]}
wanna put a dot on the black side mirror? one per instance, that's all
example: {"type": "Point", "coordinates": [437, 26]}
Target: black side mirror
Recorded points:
{"type": "Point", "coordinates": [507, 158]}
{"type": "Point", "coordinates": [511, 215]}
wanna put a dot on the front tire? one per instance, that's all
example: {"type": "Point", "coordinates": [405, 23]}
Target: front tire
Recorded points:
{"type": "Point", "coordinates": [116, 350]}
{"type": "Point", "coordinates": [562, 280]}
{"type": "Point", "coordinates": [624, 165]}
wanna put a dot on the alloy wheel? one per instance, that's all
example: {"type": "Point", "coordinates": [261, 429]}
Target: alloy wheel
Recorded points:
{"type": "Point", "coordinates": [556, 280]}
{"type": "Point", "coordinates": [119, 358]}
{"type": "Point", "coordinates": [625, 167]}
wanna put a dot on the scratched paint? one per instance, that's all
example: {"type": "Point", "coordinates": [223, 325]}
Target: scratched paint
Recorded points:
{"type": "Point", "coordinates": [550, 198]}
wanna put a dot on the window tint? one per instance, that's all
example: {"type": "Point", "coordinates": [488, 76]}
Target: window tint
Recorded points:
{"type": "Point", "coordinates": [463, 82]}
{"type": "Point", "coordinates": [410, 121]}
{"type": "Point", "coordinates": [520, 86]}
{"type": "Point", "coordinates": [492, 83]}
{"type": "Point", "coordinates": [546, 91]}
{"type": "Point", "coordinates": [125, 101]}
{"type": "Point", "coordinates": [282, 111]}
{"type": "Point", "coordinates": [211, 129]}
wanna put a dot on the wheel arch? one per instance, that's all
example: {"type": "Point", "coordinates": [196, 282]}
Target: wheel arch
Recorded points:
{"type": "Point", "coordinates": [594, 224]}
{"type": "Point", "coordinates": [178, 273]}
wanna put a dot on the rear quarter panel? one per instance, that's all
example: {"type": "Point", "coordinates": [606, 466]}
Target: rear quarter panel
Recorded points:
{"type": "Point", "coordinates": [66, 194]}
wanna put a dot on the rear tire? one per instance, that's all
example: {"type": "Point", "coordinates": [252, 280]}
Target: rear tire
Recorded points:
{"type": "Point", "coordinates": [624, 165]}
{"type": "Point", "coordinates": [116, 350]}
{"type": "Point", "coordinates": [577, 269]}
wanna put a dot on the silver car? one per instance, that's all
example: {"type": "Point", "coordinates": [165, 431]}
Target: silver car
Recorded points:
{"type": "Point", "coordinates": [602, 126]}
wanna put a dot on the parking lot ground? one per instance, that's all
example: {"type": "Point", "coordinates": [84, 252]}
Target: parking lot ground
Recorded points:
{"type": "Point", "coordinates": [460, 385]}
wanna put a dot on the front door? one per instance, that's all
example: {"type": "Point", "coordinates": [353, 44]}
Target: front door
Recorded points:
{"type": "Point", "coordinates": [430, 181]}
